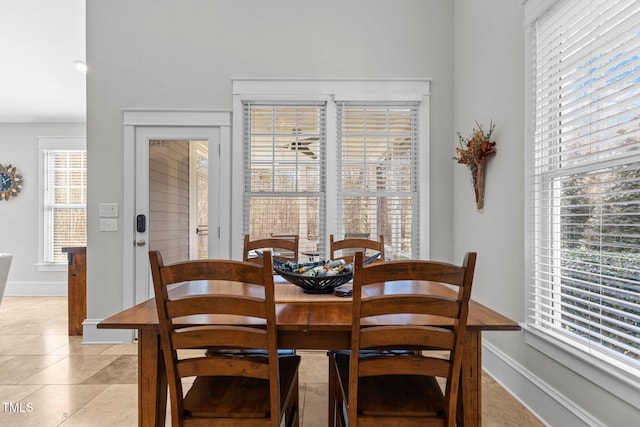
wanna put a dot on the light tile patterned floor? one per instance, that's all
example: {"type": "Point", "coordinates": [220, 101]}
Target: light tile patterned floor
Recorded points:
{"type": "Point", "coordinates": [48, 379]}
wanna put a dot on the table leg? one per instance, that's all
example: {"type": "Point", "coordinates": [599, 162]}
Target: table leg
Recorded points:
{"type": "Point", "coordinates": [152, 380]}
{"type": "Point", "coordinates": [470, 395]}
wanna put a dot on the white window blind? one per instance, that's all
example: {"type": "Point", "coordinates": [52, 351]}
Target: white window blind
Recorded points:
{"type": "Point", "coordinates": [285, 171]}
{"type": "Point", "coordinates": [65, 201]}
{"type": "Point", "coordinates": [377, 174]}
{"type": "Point", "coordinates": [585, 173]}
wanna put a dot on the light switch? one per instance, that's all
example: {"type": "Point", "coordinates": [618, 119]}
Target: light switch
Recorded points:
{"type": "Point", "coordinates": [108, 210]}
{"type": "Point", "coordinates": [108, 224]}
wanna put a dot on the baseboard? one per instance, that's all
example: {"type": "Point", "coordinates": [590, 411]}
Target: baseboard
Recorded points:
{"type": "Point", "coordinates": [550, 406]}
{"type": "Point", "coordinates": [92, 335]}
{"type": "Point", "coordinates": [36, 289]}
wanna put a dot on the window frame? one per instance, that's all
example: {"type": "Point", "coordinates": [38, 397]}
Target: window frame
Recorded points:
{"type": "Point", "coordinates": [330, 91]}
{"type": "Point", "coordinates": [69, 143]}
{"type": "Point", "coordinates": [621, 381]}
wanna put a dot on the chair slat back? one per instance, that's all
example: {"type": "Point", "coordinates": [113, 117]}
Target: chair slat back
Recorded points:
{"type": "Point", "coordinates": [282, 248]}
{"type": "Point", "coordinates": [346, 248]}
{"type": "Point", "coordinates": [213, 329]}
{"type": "Point", "coordinates": [410, 334]}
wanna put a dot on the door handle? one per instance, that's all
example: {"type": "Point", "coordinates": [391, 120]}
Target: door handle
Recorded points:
{"type": "Point", "coordinates": [140, 242]}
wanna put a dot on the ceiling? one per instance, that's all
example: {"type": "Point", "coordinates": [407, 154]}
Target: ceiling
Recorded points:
{"type": "Point", "coordinates": [39, 42]}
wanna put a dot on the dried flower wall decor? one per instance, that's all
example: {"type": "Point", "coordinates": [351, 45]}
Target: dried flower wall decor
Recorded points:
{"type": "Point", "coordinates": [475, 152]}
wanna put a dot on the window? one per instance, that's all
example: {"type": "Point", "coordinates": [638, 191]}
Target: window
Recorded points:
{"type": "Point", "coordinates": [377, 179]}
{"type": "Point", "coordinates": [284, 185]}
{"type": "Point", "coordinates": [584, 286]}
{"type": "Point", "coordinates": [64, 197]}
{"type": "Point", "coordinates": [321, 158]}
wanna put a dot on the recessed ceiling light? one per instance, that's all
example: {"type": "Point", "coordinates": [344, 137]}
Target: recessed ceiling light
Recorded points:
{"type": "Point", "coordinates": [80, 66]}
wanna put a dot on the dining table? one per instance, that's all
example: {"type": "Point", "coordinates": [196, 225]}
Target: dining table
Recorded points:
{"type": "Point", "coordinates": [305, 322]}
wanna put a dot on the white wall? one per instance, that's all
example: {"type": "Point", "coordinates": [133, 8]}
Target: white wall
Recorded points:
{"type": "Point", "coordinates": [488, 87]}
{"type": "Point", "coordinates": [489, 83]}
{"type": "Point", "coordinates": [168, 54]}
{"type": "Point", "coordinates": [19, 216]}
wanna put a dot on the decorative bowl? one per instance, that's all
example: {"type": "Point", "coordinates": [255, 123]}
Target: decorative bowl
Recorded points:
{"type": "Point", "coordinates": [315, 284]}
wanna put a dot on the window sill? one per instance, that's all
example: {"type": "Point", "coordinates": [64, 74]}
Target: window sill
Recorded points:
{"type": "Point", "coordinates": [623, 384]}
{"type": "Point", "coordinates": [52, 267]}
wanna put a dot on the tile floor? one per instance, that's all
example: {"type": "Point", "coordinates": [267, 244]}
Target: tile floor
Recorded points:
{"type": "Point", "coordinates": [50, 379]}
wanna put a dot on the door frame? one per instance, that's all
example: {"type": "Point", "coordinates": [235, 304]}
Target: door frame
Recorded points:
{"type": "Point", "coordinates": [173, 121]}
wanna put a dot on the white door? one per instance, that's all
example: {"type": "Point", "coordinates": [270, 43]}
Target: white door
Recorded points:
{"type": "Point", "coordinates": [174, 179]}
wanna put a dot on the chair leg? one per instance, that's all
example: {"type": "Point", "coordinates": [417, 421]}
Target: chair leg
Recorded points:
{"type": "Point", "coordinates": [337, 405]}
{"type": "Point", "coordinates": [292, 414]}
{"type": "Point", "coordinates": [332, 385]}
{"type": "Point", "coordinates": [340, 416]}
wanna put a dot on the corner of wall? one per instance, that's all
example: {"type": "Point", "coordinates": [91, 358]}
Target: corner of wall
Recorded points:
{"type": "Point", "coordinates": [92, 335]}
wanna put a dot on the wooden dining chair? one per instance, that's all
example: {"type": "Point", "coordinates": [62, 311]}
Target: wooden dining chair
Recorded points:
{"type": "Point", "coordinates": [284, 248]}
{"type": "Point", "coordinates": [381, 389]}
{"type": "Point", "coordinates": [235, 310]}
{"type": "Point", "coordinates": [347, 247]}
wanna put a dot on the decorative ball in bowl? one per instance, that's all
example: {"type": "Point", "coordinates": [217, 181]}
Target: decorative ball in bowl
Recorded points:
{"type": "Point", "coordinates": [319, 277]}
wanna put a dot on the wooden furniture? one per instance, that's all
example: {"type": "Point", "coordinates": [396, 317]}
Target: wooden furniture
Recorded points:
{"type": "Point", "coordinates": [306, 321]}
{"type": "Point", "coordinates": [351, 244]}
{"type": "Point", "coordinates": [402, 390]}
{"type": "Point", "coordinates": [77, 288]}
{"type": "Point", "coordinates": [284, 248]}
{"type": "Point", "coordinates": [347, 248]}
{"type": "Point", "coordinates": [228, 390]}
